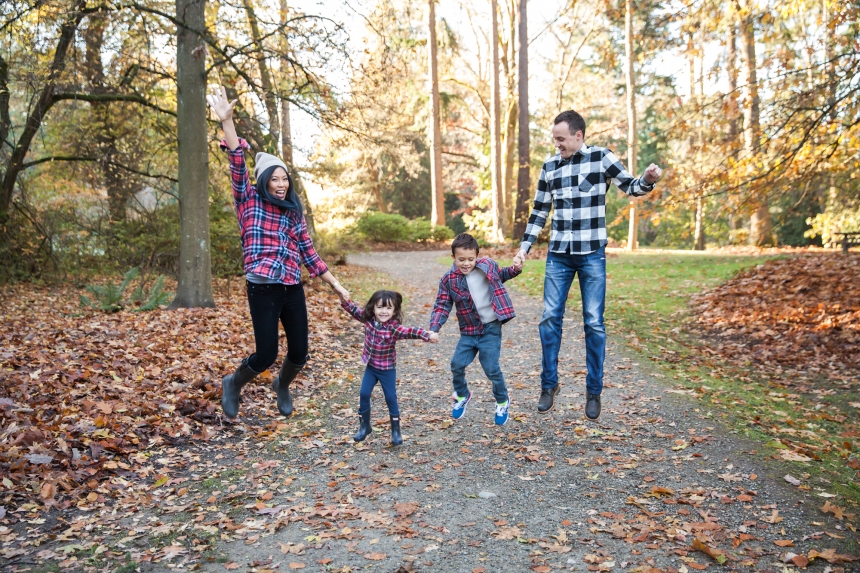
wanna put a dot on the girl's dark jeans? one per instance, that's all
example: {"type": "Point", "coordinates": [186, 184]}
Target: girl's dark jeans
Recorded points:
{"type": "Point", "coordinates": [269, 304]}
{"type": "Point", "coordinates": [388, 380]}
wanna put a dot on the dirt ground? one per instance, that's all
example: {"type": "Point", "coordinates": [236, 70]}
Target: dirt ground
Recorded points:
{"type": "Point", "coordinates": [657, 485]}
{"type": "Point", "coordinates": [546, 492]}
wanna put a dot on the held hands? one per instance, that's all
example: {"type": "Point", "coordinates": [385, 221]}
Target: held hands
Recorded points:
{"type": "Point", "coordinates": [434, 337]}
{"type": "Point", "coordinates": [652, 173]}
{"type": "Point", "coordinates": [221, 105]}
{"type": "Point", "coordinates": [342, 293]}
{"type": "Point", "coordinates": [519, 259]}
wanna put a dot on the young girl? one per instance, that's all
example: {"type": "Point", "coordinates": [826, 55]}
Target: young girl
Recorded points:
{"type": "Point", "coordinates": [382, 329]}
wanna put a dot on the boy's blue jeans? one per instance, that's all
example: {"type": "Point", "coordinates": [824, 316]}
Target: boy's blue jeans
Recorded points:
{"type": "Point", "coordinates": [388, 380]}
{"type": "Point", "coordinates": [488, 347]}
{"type": "Point", "coordinates": [560, 271]}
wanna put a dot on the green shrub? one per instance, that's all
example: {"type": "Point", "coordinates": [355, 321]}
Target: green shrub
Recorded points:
{"type": "Point", "coordinates": [441, 233]}
{"type": "Point", "coordinates": [421, 230]}
{"type": "Point", "coordinates": [109, 298]}
{"type": "Point", "coordinates": [384, 227]}
{"type": "Point", "coordinates": [332, 247]}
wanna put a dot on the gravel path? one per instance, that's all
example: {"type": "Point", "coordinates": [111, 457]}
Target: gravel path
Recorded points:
{"type": "Point", "coordinates": [544, 493]}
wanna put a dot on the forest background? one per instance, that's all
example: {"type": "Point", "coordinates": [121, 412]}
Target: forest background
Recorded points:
{"type": "Point", "coordinates": [750, 106]}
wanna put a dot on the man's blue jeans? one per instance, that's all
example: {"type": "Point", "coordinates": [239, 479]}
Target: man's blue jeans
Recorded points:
{"type": "Point", "coordinates": [560, 271]}
{"type": "Point", "coordinates": [488, 347]}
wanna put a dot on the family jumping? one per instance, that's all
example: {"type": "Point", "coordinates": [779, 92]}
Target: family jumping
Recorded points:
{"type": "Point", "coordinates": [275, 244]}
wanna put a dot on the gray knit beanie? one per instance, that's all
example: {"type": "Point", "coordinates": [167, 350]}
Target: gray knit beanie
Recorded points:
{"type": "Point", "coordinates": [265, 160]}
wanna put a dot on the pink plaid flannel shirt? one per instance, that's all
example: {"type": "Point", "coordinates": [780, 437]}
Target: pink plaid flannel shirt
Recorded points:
{"type": "Point", "coordinates": [380, 338]}
{"type": "Point", "coordinates": [275, 241]}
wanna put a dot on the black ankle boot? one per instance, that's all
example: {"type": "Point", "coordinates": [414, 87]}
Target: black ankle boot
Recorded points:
{"type": "Point", "coordinates": [396, 438]}
{"type": "Point", "coordinates": [592, 406]}
{"type": "Point", "coordinates": [231, 388]}
{"type": "Point", "coordinates": [363, 430]}
{"type": "Point", "coordinates": [281, 385]}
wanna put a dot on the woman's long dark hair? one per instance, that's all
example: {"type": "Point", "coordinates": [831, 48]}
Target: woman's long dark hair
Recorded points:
{"type": "Point", "coordinates": [387, 298]}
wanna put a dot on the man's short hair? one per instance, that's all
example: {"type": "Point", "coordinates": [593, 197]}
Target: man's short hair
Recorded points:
{"type": "Point", "coordinates": [574, 121]}
{"type": "Point", "coordinates": [465, 241]}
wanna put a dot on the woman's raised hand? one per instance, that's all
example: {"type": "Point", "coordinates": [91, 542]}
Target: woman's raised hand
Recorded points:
{"type": "Point", "coordinates": [221, 105]}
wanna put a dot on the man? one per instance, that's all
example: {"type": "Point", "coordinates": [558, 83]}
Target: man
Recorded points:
{"type": "Point", "coordinates": [575, 182]}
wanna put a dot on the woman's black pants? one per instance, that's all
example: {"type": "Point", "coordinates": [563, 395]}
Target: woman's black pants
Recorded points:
{"type": "Point", "coordinates": [270, 304]}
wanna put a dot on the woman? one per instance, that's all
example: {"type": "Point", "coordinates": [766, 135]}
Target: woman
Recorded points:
{"type": "Point", "coordinates": [275, 242]}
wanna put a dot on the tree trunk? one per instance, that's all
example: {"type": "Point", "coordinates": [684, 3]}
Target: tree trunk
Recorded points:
{"type": "Point", "coordinates": [5, 118]}
{"type": "Point", "coordinates": [832, 202]}
{"type": "Point", "coordinates": [194, 288]}
{"type": "Point", "coordinates": [732, 72]}
{"type": "Point", "coordinates": [42, 105]}
{"type": "Point", "coordinates": [498, 205]}
{"type": "Point", "coordinates": [376, 187]}
{"type": "Point", "coordinates": [509, 151]}
{"type": "Point", "coordinates": [521, 208]}
{"type": "Point", "coordinates": [697, 98]}
{"type": "Point", "coordinates": [286, 128]}
{"type": "Point", "coordinates": [700, 224]}
{"type": "Point", "coordinates": [760, 225]}
{"type": "Point", "coordinates": [437, 216]}
{"type": "Point", "coordinates": [270, 99]}
{"type": "Point", "coordinates": [632, 144]}
{"type": "Point", "coordinates": [115, 182]}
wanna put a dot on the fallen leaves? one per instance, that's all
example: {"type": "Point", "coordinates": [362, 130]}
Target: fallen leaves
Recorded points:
{"type": "Point", "coordinates": [790, 317]}
{"type": "Point", "coordinates": [507, 533]}
{"type": "Point", "coordinates": [406, 509]}
{"type": "Point", "coordinates": [773, 518]}
{"type": "Point", "coordinates": [793, 456]}
{"type": "Point", "coordinates": [84, 394]}
{"type": "Point", "coordinates": [374, 556]}
{"type": "Point", "coordinates": [832, 557]}
{"type": "Point", "coordinates": [715, 554]}
{"type": "Point", "coordinates": [837, 512]}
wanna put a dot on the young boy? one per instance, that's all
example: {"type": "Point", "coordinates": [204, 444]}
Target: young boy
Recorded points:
{"type": "Point", "coordinates": [483, 305]}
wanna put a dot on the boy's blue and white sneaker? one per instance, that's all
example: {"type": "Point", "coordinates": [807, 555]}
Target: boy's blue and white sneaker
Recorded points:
{"type": "Point", "coordinates": [502, 413]}
{"type": "Point", "coordinates": [460, 403]}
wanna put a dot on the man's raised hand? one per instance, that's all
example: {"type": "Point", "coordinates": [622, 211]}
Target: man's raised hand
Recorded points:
{"type": "Point", "coordinates": [653, 173]}
{"type": "Point", "coordinates": [221, 105]}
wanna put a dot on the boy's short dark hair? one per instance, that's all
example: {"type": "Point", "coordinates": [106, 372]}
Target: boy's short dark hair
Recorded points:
{"type": "Point", "coordinates": [465, 241]}
{"type": "Point", "coordinates": [574, 121]}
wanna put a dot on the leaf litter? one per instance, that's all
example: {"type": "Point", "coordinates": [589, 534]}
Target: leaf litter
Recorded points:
{"type": "Point", "coordinates": [195, 487]}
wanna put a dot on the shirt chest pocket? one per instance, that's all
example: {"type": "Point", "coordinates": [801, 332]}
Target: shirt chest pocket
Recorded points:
{"type": "Point", "coordinates": [588, 183]}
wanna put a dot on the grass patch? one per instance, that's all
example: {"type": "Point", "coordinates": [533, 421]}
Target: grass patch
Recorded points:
{"type": "Point", "coordinates": [362, 282]}
{"type": "Point", "coordinates": [647, 305]}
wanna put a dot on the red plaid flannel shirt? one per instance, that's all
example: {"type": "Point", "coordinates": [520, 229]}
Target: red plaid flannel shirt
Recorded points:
{"type": "Point", "coordinates": [453, 288]}
{"type": "Point", "coordinates": [380, 338]}
{"type": "Point", "coordinates": [275, 241]}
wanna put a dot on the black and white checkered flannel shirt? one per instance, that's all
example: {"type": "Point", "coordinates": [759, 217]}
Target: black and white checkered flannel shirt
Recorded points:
{"type": "Point", "coordinates": [576, 188]}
